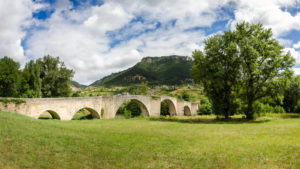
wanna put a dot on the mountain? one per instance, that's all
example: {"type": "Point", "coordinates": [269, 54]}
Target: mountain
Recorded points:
{"type": "Point", "coordinates": [168, 70]}
{"type": "Point", "coordinates": [78, 85]}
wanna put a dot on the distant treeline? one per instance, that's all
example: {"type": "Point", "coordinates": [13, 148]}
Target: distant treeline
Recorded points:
{"type": "Point", "coordinates": [44, 77]}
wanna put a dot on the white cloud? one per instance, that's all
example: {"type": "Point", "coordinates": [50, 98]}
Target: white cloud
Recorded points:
{"type": "Point", "coordinates": [285, 42]}
{"type": "Point", "coordinates": [107, 17]}
{"type": "Point", "coordinates": [270, 13]}
{"type": "Point", "coordinates": [187, 13]}
{"type": "Point", "coordinates": [81, 36]}
{"type": "Point", "coordinates": [296, 71]}
{"type": "Point", "coordinates": [294, 54]}
{"type": "Point", "coordinates": [297, 45]}
{"type": "Point", "coordinates": [15, 16]}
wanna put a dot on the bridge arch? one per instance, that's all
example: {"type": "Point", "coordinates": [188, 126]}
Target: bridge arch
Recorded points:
{"type": "Point", "coordinates": [53, 114]}
{"type": "Point", "coordinates": [171, 106]}
{"type": "Point", "coordinates": [93, 112]}
{"type": "Point", "coordinates": [187, 111]}
{"type": "Point", "coordinates": [141, 105]}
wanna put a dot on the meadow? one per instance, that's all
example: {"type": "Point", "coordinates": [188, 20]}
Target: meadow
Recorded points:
{"type": "Point", "coordinates": [177, 142]}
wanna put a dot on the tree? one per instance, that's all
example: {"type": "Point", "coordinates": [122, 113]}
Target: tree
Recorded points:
{"type": "Point", "coordinates": [9, 77]}
{"type": "Point", "coordinates": [292, 95]}
{"type": "Point", "coordinates": [218, 69]}
{"type": "Point", "coordinates": [265, 68]}
{"type": "Point", "coordinates": [56, 78]}
{"type": "Point", "coordinates": [247, 63]}
{"type": "Point", "coordinates": [31, 80]}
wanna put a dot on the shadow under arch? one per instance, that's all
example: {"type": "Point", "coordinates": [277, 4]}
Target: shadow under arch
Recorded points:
{"type": "Point", "coordinates": [187, 111]}
{"type": "Point", "coordinates": [93, 114]}
{"type": "Point", "coordinates": [45, 115]}
{"type": "Point", "coordinates": [141, 105]}
{"type": "Point", "coordinates": [171, 107]}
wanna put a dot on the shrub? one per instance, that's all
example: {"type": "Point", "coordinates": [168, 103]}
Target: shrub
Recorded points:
{"type": "Point", "coordinates": [279, 109]}
{"type": "Point", "coordinates": [164, 109]}
{"type": "Point", "coordinates": [185, 96]}
{"type": "Point", "coordinates": [76, 94]}
{"type": "Point", "coordinates": [297, 108]}
{"type": "Point", "coordinates": [205, 107]}
{"type": "Point", "coordinates": [268, 108]}
{"type": "Point", "coordinates": [127, 114]}
{"type": "Point", "coordinates": [102, 112]}
{"type": "Point", "coordinates": [259, 109]}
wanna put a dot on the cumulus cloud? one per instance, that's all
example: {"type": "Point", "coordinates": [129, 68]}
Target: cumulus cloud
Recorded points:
{"type": "Point", "coordinates": [107, 17]}
{"type": "Point", "coordinates": [80, 37]}
{"type": "Point", "coordinates": [15, 16]}
{"type": "Point", "coordinates": [96, 40]}
{"type": "Point", "coordinates": [272, 13]}
{"type": "Point", "coordinates": [187, 13]}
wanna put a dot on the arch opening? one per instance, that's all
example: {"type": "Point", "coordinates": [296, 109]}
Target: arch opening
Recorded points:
{"type": "Point", "coordinates": [187, 111]}
{"type": "Point", "coordinates": [167, 107]}
{"type": "Point", "coordinates": [49, 114]}
{"type": "Point", "coordinates": [86, 113]}
{"type": "Point", "coordinates": [132, 108]}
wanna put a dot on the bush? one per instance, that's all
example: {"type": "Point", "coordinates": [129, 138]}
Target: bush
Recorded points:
{"type": "Point", "coordinates": [164, 109]}
{"type": "Point", "coordinates": [279, 109]}
{"type": "Point", "coordinates": [102, 113]}
{"type": "Point", "coordinates": [268, 108]}
{"type": "Point", "coordinates": [205, 107]}
{"type": "Point", "coordinates": [127, 114]}
{"type": "Point", "coordinates": [185, 96]}
{"type": "Point", "coordinates": [76, 94]}
{"type": "Point", "coordinates": [297, 107]}
{"type": "Point", "coordinates": [259, 109]}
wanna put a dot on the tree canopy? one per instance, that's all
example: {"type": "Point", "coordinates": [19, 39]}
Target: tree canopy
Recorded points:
{"type": "Point", "coordinates": [217, 68]}
{"type": "Point", "coordinates": [9, 77]}
{"type": "Point", "coordinates": [45, 77]}
{"type": "Point", "coordinates": [246, 64]}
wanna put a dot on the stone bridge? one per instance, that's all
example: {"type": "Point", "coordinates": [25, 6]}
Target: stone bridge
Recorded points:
{"type": "Point", "coordinates": [100, 107]}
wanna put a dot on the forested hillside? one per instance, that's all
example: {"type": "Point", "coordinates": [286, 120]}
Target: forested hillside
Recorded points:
{"type": "Point", "coordinates": [168, 70]}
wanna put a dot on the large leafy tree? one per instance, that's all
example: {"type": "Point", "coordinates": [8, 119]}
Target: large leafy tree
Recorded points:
{"type": "Point", "coordinates": [9, 77]}
{"type": "Point", "coordinates": [247, 63]}
{"type": "Point", "coordinates": [56, 78]}
{"type": "Point", "coordinates": [265, 68]}
{"type": "Point", "coordinates": [218, 69]}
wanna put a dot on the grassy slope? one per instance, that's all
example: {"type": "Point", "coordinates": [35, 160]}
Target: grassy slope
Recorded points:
{"type": "Point", "coordinates": [140, 143]}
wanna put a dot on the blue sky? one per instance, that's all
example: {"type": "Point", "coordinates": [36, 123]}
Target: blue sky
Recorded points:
{"type": "Point", "coordinates": [99, 37]}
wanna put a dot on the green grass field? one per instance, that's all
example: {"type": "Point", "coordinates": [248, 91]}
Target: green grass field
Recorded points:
{"type": "Point", "coordinates": [196, 142]}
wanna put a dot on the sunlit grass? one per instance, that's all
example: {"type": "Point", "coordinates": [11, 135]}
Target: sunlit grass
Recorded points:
{"type": "Point", "coordinates": [189, 142]}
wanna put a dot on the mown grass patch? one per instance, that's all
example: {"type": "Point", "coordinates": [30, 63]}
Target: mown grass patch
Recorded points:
{"type": "Point", "coordinates": [144, 143]}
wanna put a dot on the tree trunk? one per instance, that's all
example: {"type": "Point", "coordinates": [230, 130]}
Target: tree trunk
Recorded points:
{"type": "Point", "coordinates": [226, 115]}
{"type": "Point", "coordinates": [250, 112]}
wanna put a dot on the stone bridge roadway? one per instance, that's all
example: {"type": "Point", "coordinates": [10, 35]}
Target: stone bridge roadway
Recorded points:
{"type": "Point", "coordinates": [100, 107]}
